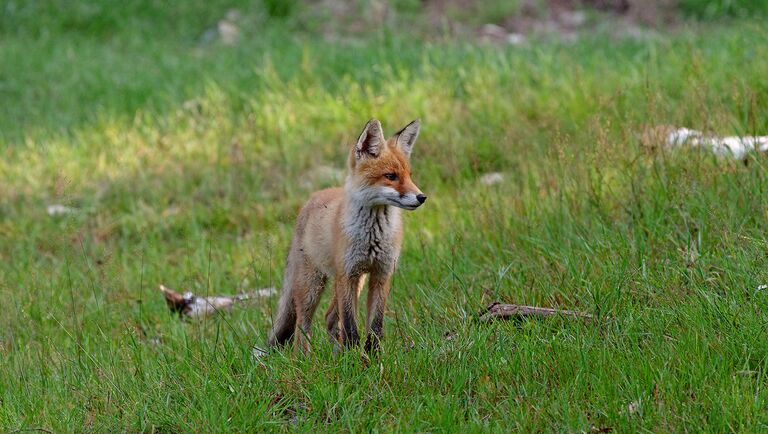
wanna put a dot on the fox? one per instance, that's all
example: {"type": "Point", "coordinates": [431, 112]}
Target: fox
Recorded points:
{"type": "Point", "coordinates": [350, 234]}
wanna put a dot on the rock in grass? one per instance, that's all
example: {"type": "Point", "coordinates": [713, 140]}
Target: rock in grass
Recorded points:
{"type": "Point", "coordinates": [492, 178]}
{"type": "Point", "coordinates": [226, 30]}
{"type": "Point", "coordinates": [257, 352]}
{"type": "Point", "coordinates": [58, 209]}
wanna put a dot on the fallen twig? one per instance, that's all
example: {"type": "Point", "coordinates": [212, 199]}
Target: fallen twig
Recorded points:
{"type": "Point", "coordinates": [192, 306]}
{"type": "Point", "coordinates": [736, 147]}
{"type": "Point", "coordinates": [498, 310]}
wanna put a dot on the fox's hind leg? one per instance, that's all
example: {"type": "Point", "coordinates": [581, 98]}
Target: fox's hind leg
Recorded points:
{"type": "Point", "coordinates": [284, 324]}
{"type": "Point", "coordinates": [310, 283]}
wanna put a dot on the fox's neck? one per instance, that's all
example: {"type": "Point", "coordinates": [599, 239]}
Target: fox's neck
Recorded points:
{"type": "Point", "coordinates": [373, 235]}
{"type": "Point", "coordinates": [370, 224]}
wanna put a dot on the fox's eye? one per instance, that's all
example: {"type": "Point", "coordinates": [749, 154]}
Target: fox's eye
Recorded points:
{"type": "Point", "coordinates": [391, 176]}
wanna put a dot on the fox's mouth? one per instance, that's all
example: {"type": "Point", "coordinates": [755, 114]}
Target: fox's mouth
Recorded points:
{"type": "Point", "coordinates": [409, 207]}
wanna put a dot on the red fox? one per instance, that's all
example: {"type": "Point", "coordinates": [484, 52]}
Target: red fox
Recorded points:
{"type": "Point", "coordinates": [347, 234]}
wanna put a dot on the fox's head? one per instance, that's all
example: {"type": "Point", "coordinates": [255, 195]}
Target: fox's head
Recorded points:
{"type": "Point", "coordinates": [380, 170]}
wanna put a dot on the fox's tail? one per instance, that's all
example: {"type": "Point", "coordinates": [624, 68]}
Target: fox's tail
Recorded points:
{"type": "Point", "coordinates": [285, 321]}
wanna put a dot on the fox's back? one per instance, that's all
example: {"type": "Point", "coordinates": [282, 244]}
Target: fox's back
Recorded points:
{"type": "Point", "coordinates": [319, 221]}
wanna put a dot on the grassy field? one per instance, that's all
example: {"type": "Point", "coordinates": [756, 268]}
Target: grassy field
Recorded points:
{"type": "Point", "coordinates": [184, 162]}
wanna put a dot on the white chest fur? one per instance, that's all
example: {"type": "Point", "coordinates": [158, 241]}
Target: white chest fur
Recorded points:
{"type": "Point", "coordinates": [373, 235]}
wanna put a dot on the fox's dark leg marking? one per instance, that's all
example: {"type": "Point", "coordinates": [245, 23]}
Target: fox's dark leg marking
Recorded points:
{"type": "Point", "coordinates": [332, 323]}
{"type": "Point", "coordinates": [282, 335]}
{"type": "Point", "coordinates": [347, 308]}
{"type": "Point", "coordinates": [378, 292]}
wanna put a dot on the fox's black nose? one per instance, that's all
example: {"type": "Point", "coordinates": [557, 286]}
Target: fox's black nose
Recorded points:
{"type": "Point", "coordinates": [421, 198]}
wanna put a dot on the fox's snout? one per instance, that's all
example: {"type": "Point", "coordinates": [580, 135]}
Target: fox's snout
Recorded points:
{"type": "Point", "coordinates": [409, 201]}
{"type": "Point", "coordinates": [411, 197]}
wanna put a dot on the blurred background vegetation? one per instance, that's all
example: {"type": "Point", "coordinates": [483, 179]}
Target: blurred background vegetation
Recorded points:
{"type": "Point", "coordinates": [55, 49]}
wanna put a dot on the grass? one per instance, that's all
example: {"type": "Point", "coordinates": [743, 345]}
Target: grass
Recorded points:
{"type": "Point", "coordinates": [186, 164]}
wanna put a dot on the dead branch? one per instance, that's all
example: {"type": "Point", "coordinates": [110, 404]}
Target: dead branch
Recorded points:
{"type": "Point", "coordinates": [189, 305]}
{"type": "Point", "coordinates": [498, 310]}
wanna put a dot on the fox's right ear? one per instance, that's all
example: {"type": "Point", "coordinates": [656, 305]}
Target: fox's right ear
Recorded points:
{"type": "Point", "coordinates": [406, 137]}
{"type": "Point", "coordinates": [370, 141]}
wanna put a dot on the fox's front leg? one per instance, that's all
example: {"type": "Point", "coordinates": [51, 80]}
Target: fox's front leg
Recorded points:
{"type": "Point", "coordinates": [332, 322]}
{"type": "Point", "coordinates": [345, 293]}
{"type": "Point", "coordinates": [378, 291]}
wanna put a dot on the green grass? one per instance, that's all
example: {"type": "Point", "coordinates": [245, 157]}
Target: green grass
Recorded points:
{"type": "Point", "coordinates": [187, 164]}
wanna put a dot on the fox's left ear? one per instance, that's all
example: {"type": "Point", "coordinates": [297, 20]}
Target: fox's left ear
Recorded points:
{"type": "Point", "coordinates": [406, 137]}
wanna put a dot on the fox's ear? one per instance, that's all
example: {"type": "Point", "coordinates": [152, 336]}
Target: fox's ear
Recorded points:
{"type": "Point", "coordinates": [406, 137]}
{"type": "Point", "coordinates": [370, 141]}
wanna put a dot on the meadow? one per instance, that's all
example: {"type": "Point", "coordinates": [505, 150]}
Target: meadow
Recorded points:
{"type": "Point", "coordinates": [182, 161]}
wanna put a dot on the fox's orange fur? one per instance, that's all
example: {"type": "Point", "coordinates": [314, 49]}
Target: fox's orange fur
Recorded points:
{"type": "Point", "coordinates": [347, 234]}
